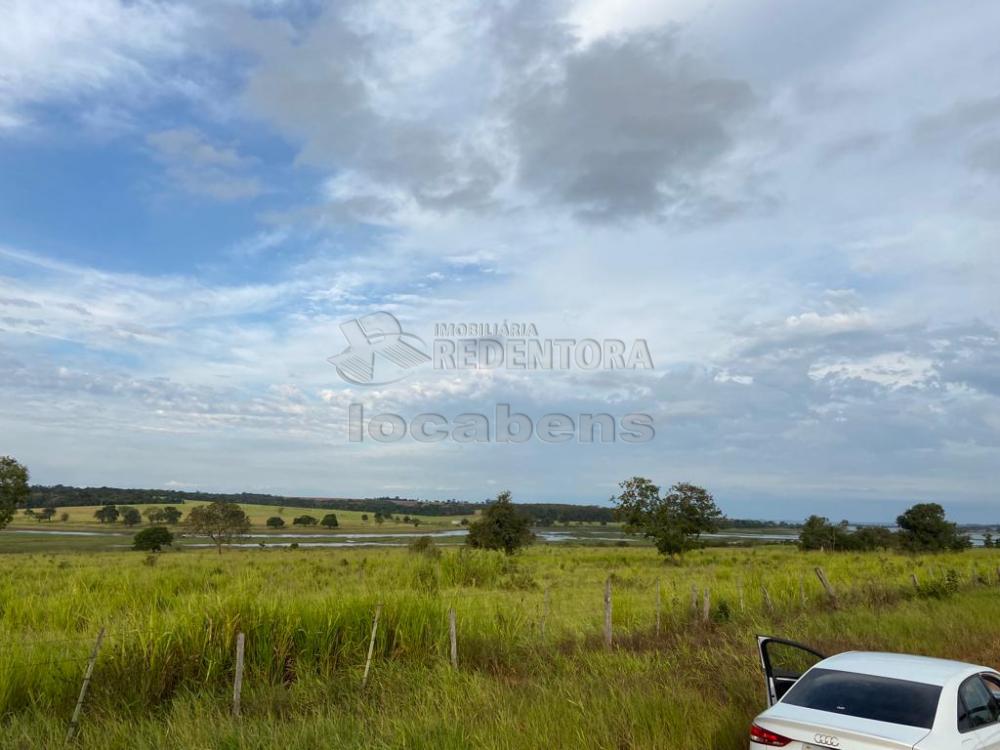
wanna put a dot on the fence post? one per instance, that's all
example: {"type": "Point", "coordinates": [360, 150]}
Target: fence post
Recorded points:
{"type": "Point", "coordinates": [238, 679]}
{"type": "Point", "coordinates": [802, 591]}
{"type": "Point", "coordinates": [739, 588]}
{"type": "Point", "coordinates": [607, 613]}
{"type": "Point", "coordinates": [706, 609]}
{"type": "Point", "coordinates": [916, 583]}
{"type": "Point", "coordinates": [657, 609]}
{"type": "Point", "coordinates": [545, 613]}
{"type": "Point", "coordinates": [453, 636]}
{"type": "Point", "coordinates": [371, 647]}
{"type": "Point", "coordinates": [74, 723]}
{"type": "Point", "coordinates": [694, 599]}
{"type": "Point", "coordinates": [826, 585]}
{"type": "Point", "coordinates": [768, 604]}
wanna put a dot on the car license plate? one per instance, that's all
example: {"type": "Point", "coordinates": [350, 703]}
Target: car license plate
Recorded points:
{"type": "Point", "coordinates": [812, 747]}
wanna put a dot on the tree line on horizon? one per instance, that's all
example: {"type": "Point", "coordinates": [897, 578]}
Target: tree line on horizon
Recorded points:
{"type": "Point", "coordinates": [674, 520]}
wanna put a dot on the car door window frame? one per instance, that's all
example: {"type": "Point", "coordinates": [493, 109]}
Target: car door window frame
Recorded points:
{"type": "Point", "coordinates": [963, 708]}
{"type": "Point", "coordinates": [770, 682]}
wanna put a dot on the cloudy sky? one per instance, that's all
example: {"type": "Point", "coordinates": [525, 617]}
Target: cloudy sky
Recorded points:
{"type": "Point", "coordinates": [794, 203]}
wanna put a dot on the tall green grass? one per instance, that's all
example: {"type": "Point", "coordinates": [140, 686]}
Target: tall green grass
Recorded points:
{"type": "Point", "coordinates": [529, 629]}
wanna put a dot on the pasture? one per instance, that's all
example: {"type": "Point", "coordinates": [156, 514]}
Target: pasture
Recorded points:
{"type": "Point", "coordinates": [533, 668]}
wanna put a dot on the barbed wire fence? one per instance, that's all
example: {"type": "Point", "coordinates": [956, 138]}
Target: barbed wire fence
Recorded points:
{"type": "Point", "coordinates": [620, 614]}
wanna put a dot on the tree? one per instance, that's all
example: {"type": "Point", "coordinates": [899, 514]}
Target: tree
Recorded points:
{"type": "Point", "coordinates": [171, 515]}
{"type": "Point", "coordinates": [501, 526]}
{"type": "Point", "coordinates": [364, 517]}
{"type": "Point", "coordinates": [220, 521]}
{"type": "Point", "coordinates": [154, 515]}
{"type": "Point", "coordinates": [379, 519]}
{"type": "Point", "coordinates": [674, 521]}
{"type": "Point", "coordinates": [130, 516]}
{"type": "Point", "coordinates": [275, 522]}
{"type": "Point", "coordinates": [47, 514]}
{"type": "Point", "coordinates": [988, 540]}
{"type": "Point", "coordinates": [304, 521]}
{"type": "Point", "coordinates": [924, 528]}
{"type": "Point", "coordinates": [64, 516]}
{"type": "Point", "coordinates": [106, 514]}
{"type": "Point", "coordinates": [152, 539]}
{"type": "Point", "coordinates": [818, 533]}
{"type": "Point", "coordinates": [330, 521]}
{"type": "Point", "coordinates": [13, 488]}
{"type": "Point", "coordinates": [873, 538]}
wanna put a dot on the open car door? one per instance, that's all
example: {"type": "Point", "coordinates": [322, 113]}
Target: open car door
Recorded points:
{"type": "Point", "coordinates": [783, 662]}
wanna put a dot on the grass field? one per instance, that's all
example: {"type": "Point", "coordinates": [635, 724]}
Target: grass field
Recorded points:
{"type": "Point", "coordinates": [533, 670]}
{"type": "Point", "coordinates": [26, 534]}
{"type": "Point", "coordinates": [349, 520]}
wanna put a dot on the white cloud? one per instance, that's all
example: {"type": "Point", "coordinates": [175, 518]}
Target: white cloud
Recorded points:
{"type": "Point", "coordinates": [74, 50]}
{"type": "Point", "coordinates": [893, 370]}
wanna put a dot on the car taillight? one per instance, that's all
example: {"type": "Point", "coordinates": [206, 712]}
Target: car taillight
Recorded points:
{"type": "Point", "coordinates": [766, 737]}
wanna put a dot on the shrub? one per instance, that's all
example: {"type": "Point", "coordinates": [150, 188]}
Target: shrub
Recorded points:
{"type": "Point", "coordinates": [152, 539]}
{"type": "Point", "coordinates": [424, 546]}
{"type": "Point", "coordinates": [501, 526]}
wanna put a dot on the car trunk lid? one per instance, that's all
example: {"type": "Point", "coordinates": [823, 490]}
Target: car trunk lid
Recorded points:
{"type": "Point", "coordinates": [824, 729]}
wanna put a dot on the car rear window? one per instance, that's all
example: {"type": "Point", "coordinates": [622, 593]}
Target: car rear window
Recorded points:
{"type": "Point", "coordinates": [866, 697]}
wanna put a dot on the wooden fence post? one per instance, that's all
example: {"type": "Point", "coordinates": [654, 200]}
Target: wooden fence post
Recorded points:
{"type": "Point", "coordinates": [74, 722]}
{"type": "Point", "coordinates": [453, 637]}
{"type": "Point", "coordinates": [706, 608]}
{"type": "Point", "coordinates": [607, 613]}
{"type": "Point", "coordinates": [657, 609]}
{"type": "Point", "coordinates": [826, 585]}
{"type": "Point", "coordinates": [768, 604]}
{"type": "Point", "coordinates": [694, 599]}
{"type": "Point", "coordinates": [739, 590]}
{"type": "Point", "coordinates": [802, 591]}
{"type": "Point", "coordinates": [371, 647]}
{"type": "Point", "coordinates": [545, 613]}
{"type": "Point", "coordinates": [916, 582]}
{"type": "Point", "coordinates": [238, 679]}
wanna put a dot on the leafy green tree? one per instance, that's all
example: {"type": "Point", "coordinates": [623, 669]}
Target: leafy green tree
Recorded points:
{"type": "Point", "coordinates": [818, 533]}
{"type": "Point", "coordinates": [924, 528]}
{"type": "Point", "coordinates": [64, 516]}
{"type": "Point", "coordinates": [130, 516]}
{"type": "Point", "coordinates": [220, 521]}
{"type": "Point", "coordinates": [154, 515]}
{"type": "Point", "coordinates": [379, 519]}
{"type": "Point", "coordinates": [13, 488]}
{"type": "Point", "coordinates": [304, 521]}
{"type": "Point", "coordinates": [275, 522]}
{"type": "Point", "coordinates": [988, 540]}
{"type": "Point", "coordinates": [330, 521]}
{"type": "Point", "coordinates": [500, 526]}
{"type": "Point", "coordinates": [674, 521]}
{"type": "Point", "coordinates": [47, 514]}
{"type": "Point", "coordinates": [106, 514]}
{"type": "Point", "coordinates": [171, 515]}
{"type": "Point", "coordinates": [871, 538]}
{"type": "Point", "coordinates": [364, 517]}
{"type": "Point", "coordinates": [152, 539]}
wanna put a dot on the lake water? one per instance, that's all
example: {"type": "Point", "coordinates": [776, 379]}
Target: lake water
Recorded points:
{"type": "Point", "coordinates": [395, 539]}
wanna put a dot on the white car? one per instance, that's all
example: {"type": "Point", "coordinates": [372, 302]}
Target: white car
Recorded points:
{"type": "Point", "coordinates": [874, 701]}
